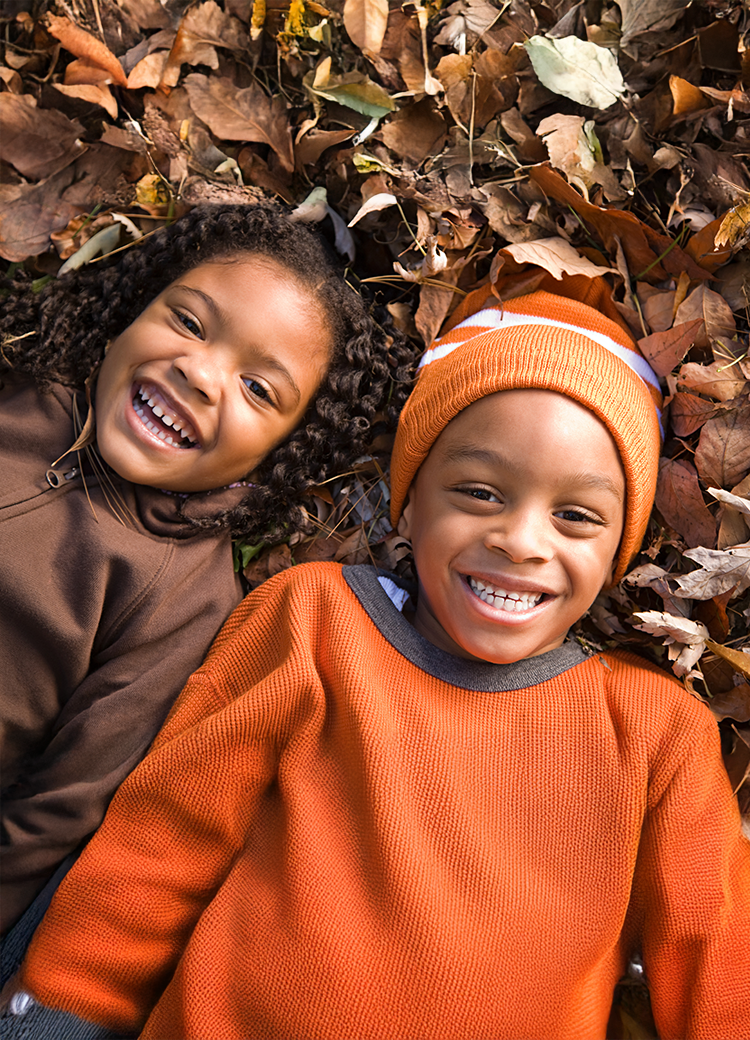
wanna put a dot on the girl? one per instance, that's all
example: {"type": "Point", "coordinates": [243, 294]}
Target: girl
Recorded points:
{"type": "Point", "coordinates": [222, 367]}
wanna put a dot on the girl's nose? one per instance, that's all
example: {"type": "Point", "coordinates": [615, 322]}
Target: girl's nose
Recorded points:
{"type": "Point", "coordinates": [521, 535]}
{"type": "Point", "coordinates": [200, 373]}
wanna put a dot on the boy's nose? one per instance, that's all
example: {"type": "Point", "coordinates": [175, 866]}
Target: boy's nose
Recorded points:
{"type": "Point", "coordinates": [521, 537]}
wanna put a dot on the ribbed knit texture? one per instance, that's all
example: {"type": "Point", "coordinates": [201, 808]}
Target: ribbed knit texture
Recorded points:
{"type": "Point", "coordinates": [326, 843]}
{"type": "Point", "coordinates": [549, 358]}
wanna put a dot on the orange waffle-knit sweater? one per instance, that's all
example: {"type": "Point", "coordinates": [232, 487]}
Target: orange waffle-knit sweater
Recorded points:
{"type": "Point", "coordinates": [345, 833]}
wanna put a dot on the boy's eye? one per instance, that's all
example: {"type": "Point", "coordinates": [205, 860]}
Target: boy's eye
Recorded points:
{"type": "Point", "coordinates": [480, 494]}
{"type": "Point", "coordinates": [577, 517]}
{"type": "Point", "coordinates": [188, 322]}
{"type": "Point", "coordinates": [257, 389]}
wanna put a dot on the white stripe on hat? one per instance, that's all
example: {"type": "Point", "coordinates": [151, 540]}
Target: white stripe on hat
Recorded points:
{"type": "Point", "coordinates": [494, 318]}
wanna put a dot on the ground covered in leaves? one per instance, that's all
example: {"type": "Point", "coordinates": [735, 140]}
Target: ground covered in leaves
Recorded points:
{"type": "Point", "coordinates": [444, 143]}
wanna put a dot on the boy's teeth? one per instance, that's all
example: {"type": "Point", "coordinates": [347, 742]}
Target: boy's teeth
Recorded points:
{"type": "Point", "coordinates": [510, 601]}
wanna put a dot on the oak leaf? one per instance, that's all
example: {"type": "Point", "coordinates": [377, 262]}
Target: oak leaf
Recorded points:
{"type": "Point", "coordinates": [720, 570]}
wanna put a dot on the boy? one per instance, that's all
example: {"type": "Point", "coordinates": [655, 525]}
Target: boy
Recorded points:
{"type": "Point", "coordinates": [361, 823]}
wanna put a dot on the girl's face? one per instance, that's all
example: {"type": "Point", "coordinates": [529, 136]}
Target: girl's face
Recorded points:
{"type": "Point", "coordinates": [214, 373]}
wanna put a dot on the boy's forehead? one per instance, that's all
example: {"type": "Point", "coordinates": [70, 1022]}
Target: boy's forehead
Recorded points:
{"type": "Point", "coordinates": [482, 430]}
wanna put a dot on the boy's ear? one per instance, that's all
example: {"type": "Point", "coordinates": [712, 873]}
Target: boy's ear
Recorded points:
{"type": "Point", "coordinates": [404, 521]}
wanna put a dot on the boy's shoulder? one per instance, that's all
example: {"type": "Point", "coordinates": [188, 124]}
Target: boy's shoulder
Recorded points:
{"type": "Point", "coordinates": [649, 700]}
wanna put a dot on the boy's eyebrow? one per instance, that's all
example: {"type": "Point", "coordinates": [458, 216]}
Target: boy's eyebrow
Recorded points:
{"type": "Point", "coordinates": [583, 479]}
{"type": "Point", "coordinates": [267, 359]}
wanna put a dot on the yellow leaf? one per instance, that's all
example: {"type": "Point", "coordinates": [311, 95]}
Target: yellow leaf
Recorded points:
{"type": "Point", "coordinates": [738, 660]}
{"type": "Point", "coordinates": [733, 226]}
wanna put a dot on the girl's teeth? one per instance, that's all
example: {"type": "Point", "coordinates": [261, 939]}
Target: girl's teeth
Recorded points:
{"type": "Point", "coordinates": [178, 425]}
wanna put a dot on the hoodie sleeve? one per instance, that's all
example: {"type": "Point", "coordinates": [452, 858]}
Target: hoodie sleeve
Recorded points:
{"type": "Point", "coordinates": [142, 657]}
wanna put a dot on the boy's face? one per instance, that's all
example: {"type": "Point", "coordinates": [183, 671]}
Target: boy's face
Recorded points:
{"type": "Point", "coordinates": [514, 517]}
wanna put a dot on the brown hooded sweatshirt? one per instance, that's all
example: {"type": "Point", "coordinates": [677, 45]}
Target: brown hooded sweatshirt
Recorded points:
{"type": "Point", "coordinates": [101, 622]}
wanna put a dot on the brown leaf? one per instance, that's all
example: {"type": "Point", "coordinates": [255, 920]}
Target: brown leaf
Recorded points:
{"type": "Point", "coordinates": [665, 350]}
{"type": "Point", "coordinates": [241, 115]}
{"type": "Point", "coordinates": [94, 93]}
{"type": "Point", "coordinates": [680, 502]}
{"type": "Point", "coordinates": [415, 132]}
{"type": "Point", "coordinates": [311, 145]}
{"type": "Point", "coordinates": [29, 213]}
{"type": "Point", "coordinates": [434, 304]}
{"type": "Point", "coordinates": [720, 381]}
{"type": "Point", "coordinates": [556, 256]}
{"type": "Point", "coordinates": [734, 528]}
{"type": "Point", "coordinates": [733, 703]}
{"type": "Point", "coordinates": [688, 413]}
{"type": "Point", "coordinates": [149, 71]}
{"type": "Point", "coordinates": [610, 224]}
{"type": "Point", "coordinates": [713, 310]}
{"type": "Point", "coordinates": [38, 142]}
{"type": "Point", "coordinates": [366, 21]}
{"type": "Point", "coordinates": [723, 454]}
{"type": "Point", "coordinates": [84, 45]}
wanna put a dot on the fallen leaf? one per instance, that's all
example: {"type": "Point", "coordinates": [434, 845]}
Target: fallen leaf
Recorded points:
{"type": "Point", "coordinates": [680, 502]}
{"type": "Point", "coordinates": [573, 148]}
{"type": "Point", "coordinates": [577, 69]}
{"type": "Point", "coordinates": [373, 205]}
{"type": "Point", "coordinates": [688, 412]}
{"type": "Point", "coordinates": [94, 93]}
{"type": "Point", "coordinates": [37, 142]}
{"type": "Point", "coordinates": [734, 225]}
{"type": "Point", "coordinates": [29, 213]}
{"type": "Point", "coordinates": [646, 16]}
{"type": "Point", "coordinates": [723, 455]}
{"type": "Point", "coordinates": [241, 115]}
{"type": "Point", "coordinates": [556, 256]}
{"type": "Point", "coordinates": [742, 505]}
{"type": "Point", "coordinates": [719, 381]}
{"type": "Point", "coordinates": [713, 310]}
{"type": "Point", "coordinates": [739, 661]}
{"type": "Point", "coordinates": [365, 21]}
{"type": "Point", "coordinates": [665, 350]}
{"type": "Point", "coordinates": [720, 570]}
{"type": "Point", "coordinates": [84, 45]}
{"type": "Point", "coordinates": [415, 132]}
{"type": "Point", "coordinates": [686, 98]}
{"type": "Point", "coordinates": [685, 639]}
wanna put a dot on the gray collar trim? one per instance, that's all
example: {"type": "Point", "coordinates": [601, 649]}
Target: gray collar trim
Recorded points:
{"type": "Point", "coordinates": [469, 675]}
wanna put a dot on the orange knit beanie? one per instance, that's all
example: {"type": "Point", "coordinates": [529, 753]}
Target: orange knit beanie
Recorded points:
{"type": "Point", "coordinates": [548, 342]}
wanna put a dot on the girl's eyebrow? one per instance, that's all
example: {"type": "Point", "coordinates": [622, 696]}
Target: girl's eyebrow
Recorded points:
{"type": "Point", "coordinates": [473, 453]}
{"type": "Point", "coordinates": [268, 359]}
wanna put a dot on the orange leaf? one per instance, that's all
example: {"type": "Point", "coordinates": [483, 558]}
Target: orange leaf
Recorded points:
{"type": "Point", "coordinates": [665, 350]}
{"type": "Point", "coordinates": [86, 46]}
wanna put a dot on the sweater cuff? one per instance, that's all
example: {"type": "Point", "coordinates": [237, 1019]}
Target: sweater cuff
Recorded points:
{"type": "Point", "coordinates": [24, 1019]}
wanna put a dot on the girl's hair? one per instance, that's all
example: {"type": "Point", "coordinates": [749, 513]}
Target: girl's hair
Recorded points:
{"type": "Point", "coordinates": [60, 335]}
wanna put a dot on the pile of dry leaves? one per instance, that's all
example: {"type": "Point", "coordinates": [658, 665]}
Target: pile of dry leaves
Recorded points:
{"type": "Point", "coordinates": [445, 141]}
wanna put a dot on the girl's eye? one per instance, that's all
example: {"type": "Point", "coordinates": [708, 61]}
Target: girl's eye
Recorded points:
{"type": "Point", "coordinates": [257, 389]}
{"type": "Point", "coordinates": [188, 322]}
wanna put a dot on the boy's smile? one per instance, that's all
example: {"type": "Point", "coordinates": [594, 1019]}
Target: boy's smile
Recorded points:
{"type": "Point", "coordinates": [515, 518]}
{"type": "Point", "coordinates": [214, 373]}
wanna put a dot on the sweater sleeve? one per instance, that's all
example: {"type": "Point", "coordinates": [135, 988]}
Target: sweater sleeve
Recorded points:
{"type": "Point", "coordinates": [691, 895]}
{"type": "Point", "coordinates": [139, 665]}
{"type": "Point", "coordinates": [122, 917]}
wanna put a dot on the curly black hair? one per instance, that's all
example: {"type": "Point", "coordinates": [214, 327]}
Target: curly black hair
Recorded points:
{"type": "Point", "coordinates": [60, 335]}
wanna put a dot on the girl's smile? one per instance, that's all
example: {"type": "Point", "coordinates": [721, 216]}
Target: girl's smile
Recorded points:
{"type": "Point", "coordinates": [213, 374]}
{"type": "Point", "coordinates": [515, 517]}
